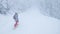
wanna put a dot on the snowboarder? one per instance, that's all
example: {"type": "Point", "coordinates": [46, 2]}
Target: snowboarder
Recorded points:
{"type": "Point", "coordinates": [15, 17]}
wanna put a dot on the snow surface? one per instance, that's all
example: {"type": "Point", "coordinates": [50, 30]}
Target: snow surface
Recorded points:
{"type": "Point", "coordinates": [30, 22]}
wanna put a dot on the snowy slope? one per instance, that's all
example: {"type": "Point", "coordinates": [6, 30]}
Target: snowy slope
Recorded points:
{"type": "Point", "coordinates": [30, 22]}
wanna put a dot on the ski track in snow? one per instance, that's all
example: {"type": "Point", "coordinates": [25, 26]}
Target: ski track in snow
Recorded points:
{"type": "Point", "coordinates": [30, 22]}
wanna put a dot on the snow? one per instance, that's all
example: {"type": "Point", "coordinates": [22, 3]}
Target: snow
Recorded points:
{"type": "Point", "coordinates": [30, 22]}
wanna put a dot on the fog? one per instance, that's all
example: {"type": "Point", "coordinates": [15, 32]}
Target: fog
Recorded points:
{"type": "Point", "coordinates": [35, 17]}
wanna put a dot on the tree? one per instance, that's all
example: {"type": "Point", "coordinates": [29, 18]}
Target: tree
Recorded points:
{"type": "Point", "coordinates": [51, 8]}
{"type": "Point", "coordinates": [4, 10]}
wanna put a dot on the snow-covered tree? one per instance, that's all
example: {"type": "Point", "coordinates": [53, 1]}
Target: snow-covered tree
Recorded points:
{"type": "Point", "coordinates": [4, 8]}
{"type": "Point", "coordinates": [14, 5]}
{"type": "Point", "coordinates": [50, 8]}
